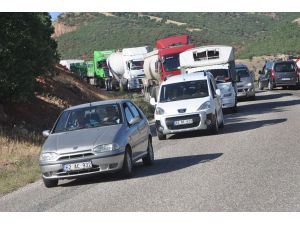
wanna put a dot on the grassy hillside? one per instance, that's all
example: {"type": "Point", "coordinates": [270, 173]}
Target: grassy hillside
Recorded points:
{"type": "Point", "coordinates": [250, 33]}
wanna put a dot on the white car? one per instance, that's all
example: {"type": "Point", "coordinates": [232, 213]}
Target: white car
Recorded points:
{"type": "Point", "coordinates": [188, 102]}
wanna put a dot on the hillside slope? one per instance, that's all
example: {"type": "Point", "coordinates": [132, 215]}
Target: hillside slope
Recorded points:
{"type": "Point", "coordinates": [250, 33]}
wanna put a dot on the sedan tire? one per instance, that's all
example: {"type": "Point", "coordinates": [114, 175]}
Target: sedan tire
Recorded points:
{"type": "Point", "coordinates": [49, 183]}
{"type": "Point", "coordinates": [149, 158]}
{"type": "Point", "coordinates": [127, 165]}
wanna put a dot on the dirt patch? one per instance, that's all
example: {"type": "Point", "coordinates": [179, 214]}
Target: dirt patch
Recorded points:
{"type": "Point", "coordinates": [60, 29]}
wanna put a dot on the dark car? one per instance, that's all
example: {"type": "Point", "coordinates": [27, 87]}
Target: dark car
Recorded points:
{"type": "Point", "coordinates": [278, 74]}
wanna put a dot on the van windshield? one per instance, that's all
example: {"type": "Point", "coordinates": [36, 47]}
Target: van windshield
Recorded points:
{"type": "Point", "coordinates": [285, 67]}
{"type": "Point", "coordinates": [171, 62]}
{"type": "Point", "coordinates": [184, 90]}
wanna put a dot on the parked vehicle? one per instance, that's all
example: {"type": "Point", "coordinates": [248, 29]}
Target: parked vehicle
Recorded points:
{"type": "Point", "coordinates": [220, 62]}
{"type": "Point", "coordinates": [98, 137]}
{"type": "Point", "coordinates": [187, 103]}
{"type": "Point", "coordinates": [163, 61]}
{"type": "Point", "coordinates": [127, 67]}
{"type": "Point", "coordinates": [79, 69]}
{"type": "Point", "coordinates": [278, 74]}
{"type": "Point", "coordinates": [246, 87]}
{"type": "Point", "coordinates": [97, 70]}
{"type": "Point", "coordinates": [67, 62]}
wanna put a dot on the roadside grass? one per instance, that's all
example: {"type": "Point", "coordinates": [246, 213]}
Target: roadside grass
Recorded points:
{"type": "Point", "coordinates": [19, 150]}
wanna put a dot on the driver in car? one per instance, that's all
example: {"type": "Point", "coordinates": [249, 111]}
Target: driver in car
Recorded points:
{"type": "Point", "coordinates": [112, 115]}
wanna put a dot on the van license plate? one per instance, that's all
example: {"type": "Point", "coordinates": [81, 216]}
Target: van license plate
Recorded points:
{"type": "Point", "coordinates": [286, 79]}
{"type": "Point", "coordinates": [183, 122]}
{"type": "Point", "coordinates": [77, 166]}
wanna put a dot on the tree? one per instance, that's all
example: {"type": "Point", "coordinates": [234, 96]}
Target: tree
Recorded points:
{"type": "Point", "coordinates": [26, 51]}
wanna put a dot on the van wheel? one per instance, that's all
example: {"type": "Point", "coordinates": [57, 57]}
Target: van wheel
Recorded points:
{"type": "Point", "coordinates": [127, 165]}
{"type": "Point", "coordinates": [49, 183]}
{"type": "Point", "coordinates": [270, 85]}
{"type": "Point", "coordinates": [221, 125]}
{"type": "Point", "coordinates": [149, 158]}
{"type": "Point", "coordinates": [260, 86]}
{"type": "Point", "coordinates": [161, 136]}
{"type": "Point", "coordinates": [214, 129]}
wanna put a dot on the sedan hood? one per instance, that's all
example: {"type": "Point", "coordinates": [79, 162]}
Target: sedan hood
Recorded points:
{"type": "Point", "coordinates": [80, 140]}
{"type": "Point", "coordinates": [244, 81]}
{"type": "Point", "coordinates": [189, 105]}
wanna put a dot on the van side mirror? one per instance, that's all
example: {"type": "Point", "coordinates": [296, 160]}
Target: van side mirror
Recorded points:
{"type": "Point", "coordinates": [46, 133]}
{"type": "Point", "coordinates": [259, 72]}
{"type": "Point", "coordinates": [152, 101]}
{"type": "Point", "coordinates": [218, 92]}
{"type": "Point", "coordinates": [134, 120]}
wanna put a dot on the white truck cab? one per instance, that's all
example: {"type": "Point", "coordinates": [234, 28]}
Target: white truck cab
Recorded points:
{"type": "Point", "coordinates": [133, 59]}
{"type": "Point", "coordinates": [220, 62]}
{"type": "Point", "coordinates": [187, 103]}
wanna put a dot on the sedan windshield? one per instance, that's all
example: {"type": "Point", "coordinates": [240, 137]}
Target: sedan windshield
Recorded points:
{"type": "Point", "coordinates": [171, 62]}
{"type": "Point", "coordinates": [242, 73]}
{"type": "Point", "coordinates": [89, 117]}
{"type": "Point", "coordinates": [184, 90]}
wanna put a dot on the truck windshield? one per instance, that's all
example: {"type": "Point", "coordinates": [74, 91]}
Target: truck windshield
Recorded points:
{"type": "Point", "coordinates": [220, 74]}
{"type": "Point", "coordinates": [171, 62]}
{"type": "Point", "coordinates": [184, 90]}
{"type": "Point", "coordinates": [242, 72]}
{"type": "Point", "coordinates": [285, 67]}
{"type": "Point", "coordinates": [101, 64]}
{"type": "Point", "coordinates": [89, 117]}
{"type": "Point", "coordinates": [136, 65]}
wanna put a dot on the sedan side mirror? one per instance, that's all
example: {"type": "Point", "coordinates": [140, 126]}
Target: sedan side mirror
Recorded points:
{"type": "Point", "coordinates": [152, 101]}
{"type": "Point", "coordinates": [218, 92]}
{"type": "Point", "coordinates": [46, 133]}
{"type": "Point", "coordinates": [134, 120]}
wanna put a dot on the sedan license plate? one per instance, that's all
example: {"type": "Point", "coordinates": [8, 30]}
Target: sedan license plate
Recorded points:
{"type": "Point", "coordinates": [183, 122]}
{"type": "Point", "coordinates": [286, 79]}
{"type": "Point", "coordinates": [77, 166]}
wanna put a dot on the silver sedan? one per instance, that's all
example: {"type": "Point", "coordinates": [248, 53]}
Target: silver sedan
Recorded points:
{"type": "Point", "coordinates": [104, 136]}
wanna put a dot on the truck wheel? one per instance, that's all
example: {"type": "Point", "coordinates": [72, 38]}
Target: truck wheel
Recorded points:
{"type": "Point", "coordinates": [49, 183]}
{"type": "Point", "coordinates": [161, 136]}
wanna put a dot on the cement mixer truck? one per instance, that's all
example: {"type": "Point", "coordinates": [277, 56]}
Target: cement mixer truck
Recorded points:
{"type": "Point", "coordinates": [220, 62]}
{"type": "Point", "coordinates": [126, 67]}
{"type": "Point", "coordinates": [164, 61]}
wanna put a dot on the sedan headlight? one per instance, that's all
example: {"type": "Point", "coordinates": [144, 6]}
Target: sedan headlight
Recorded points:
{"type": "Point", "coordinates": [204, 106]}
{"type": "Point", "coordinates": [159, 111]}
{"type": "Point", "coordinates": [48, 156]}
{"type": "Point", "coordinates": [249, 84]}
{"type": "Point", "coordinates": [106, 148]}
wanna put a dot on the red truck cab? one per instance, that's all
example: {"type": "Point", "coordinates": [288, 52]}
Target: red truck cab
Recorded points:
{"type": "Point", "coordinates": [169, 50]}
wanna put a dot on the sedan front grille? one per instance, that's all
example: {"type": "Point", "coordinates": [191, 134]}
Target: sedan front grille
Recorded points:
{"type": "Point", "coordinates": [75, 156]}
{"type": "Point", "coordinates": [170, 122]}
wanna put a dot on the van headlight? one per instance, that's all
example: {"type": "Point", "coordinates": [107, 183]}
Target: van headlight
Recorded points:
{"type": "Point", "coordinates": [249, 84]}
{"type": "Point", "coordinates": [204, 106]}
{"type": "Point", "coordinates": [106, 148]}
{"type": "Point", "coordinates": [159, 111]}
{"type": "Point", "coordinates": [48, 156]}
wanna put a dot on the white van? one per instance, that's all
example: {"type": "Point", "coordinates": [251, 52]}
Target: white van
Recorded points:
{"type": "Point", "coordinates": [187, 103]}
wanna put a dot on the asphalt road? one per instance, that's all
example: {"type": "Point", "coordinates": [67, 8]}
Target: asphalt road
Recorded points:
{"type": "Point", "coordinates": [252, 165]}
